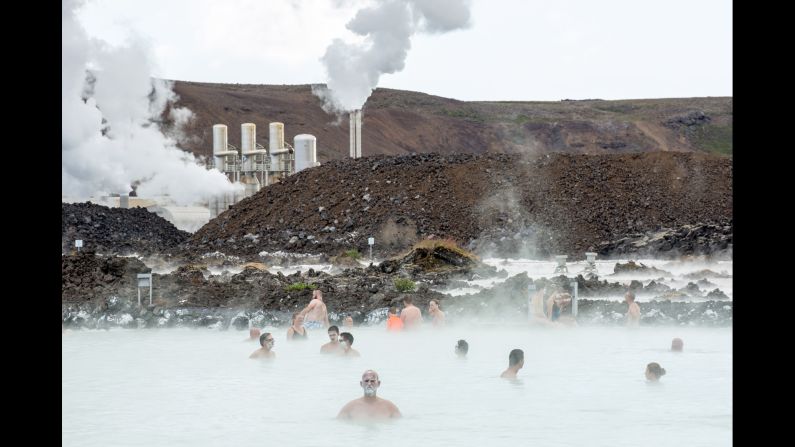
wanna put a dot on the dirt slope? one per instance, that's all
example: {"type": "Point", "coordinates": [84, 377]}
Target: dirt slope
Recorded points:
{"type": "Point", "coordinates": [399, 122]}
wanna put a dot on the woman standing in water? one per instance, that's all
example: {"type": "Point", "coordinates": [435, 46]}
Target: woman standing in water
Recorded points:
{"type": "Point", "coordinates": [297, 330]}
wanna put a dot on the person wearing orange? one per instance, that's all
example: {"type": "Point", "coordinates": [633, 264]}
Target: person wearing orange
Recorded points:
{"type": "Point", "coordinates": [393, 322]}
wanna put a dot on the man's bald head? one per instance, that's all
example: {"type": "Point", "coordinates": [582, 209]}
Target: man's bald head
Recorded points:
{"type": "Point", "coordinates": [370, 383]}
{"type": "Point", "coordinates": [370, 373]}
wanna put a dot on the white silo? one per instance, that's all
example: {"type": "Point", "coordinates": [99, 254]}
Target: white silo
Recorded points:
{"type": "Point", "coordinates": [276, 147]}
{"type": "Point", "coordinates": [276, 141]}
{"type": "Point", "coordinates": [219, 138]}
{"type": "Point", "coordinates": [248, 141]}
{"type": "Point", "coordinates": [305, 151]}
{"type": "Point", "coordinates": [224, 154]}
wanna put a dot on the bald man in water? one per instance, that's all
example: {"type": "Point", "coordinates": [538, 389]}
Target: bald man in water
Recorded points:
{"type": "Point", "coordinates": [253, 334]}
{"type": "Point", "coordinates": [370, 406]}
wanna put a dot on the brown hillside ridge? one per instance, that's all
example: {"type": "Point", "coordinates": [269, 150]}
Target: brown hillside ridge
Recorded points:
{"type": "Point", "coordinates": [397, 122]}
{"type": "Point", "coordinates": [510, 204]}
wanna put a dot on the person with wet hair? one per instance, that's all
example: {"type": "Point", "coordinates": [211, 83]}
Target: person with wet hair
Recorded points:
{"type": "Point", "coordinates": [677, 345]}
{"type": "Point", "coordinates": [369, 407]}
{"type": "Point", "coordinates": [266, 351]}
{"type": "Point", "coordinates": [334, 344]}
{"type": "Point", "coordinates": [436, 312]}
{"type": "Point", "coordinates": [347, 342]}
{"type": "Point", "coordinates": [633, 310]}
{"type": "Point", "coordinates": [515, 363]}
{"type": "Point", "coordinates": [461, 348]}
{"type": "Point", "coordinates": [297, 331]}
{"type": "Point", "coordinates": [654, 371]}
{"type": "Point", "coordinates": [393, 322]}
{"type": "Point", "coordinates": [411, 314]}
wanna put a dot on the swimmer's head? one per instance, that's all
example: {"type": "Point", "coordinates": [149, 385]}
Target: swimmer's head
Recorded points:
{"type": "Point", "coordinates": [654, 371]}
{"type": "Point", "coordinates": [333, 333]}
{"type": "Point", "coordinates": [266, 339]}
{"type": "Point", "coordinates": [254, 333]}
{"type": "Point", "coordinates": [461, 348]}
{"type": "Point", "coordinates": [433, 305]}
{"type": "Point", "coordinates": [516, 357]}
{"type": "Point", "coordinates": [347, 338]}
{"type": "Point", "coordinates": [393, 310]}
{"type": "Point", "coordinates": [677, 344]}
{"type": "Point", "coordinates": [370, 383]}
{"type": "Point", "coordinates": [298, 319]}
{"type": "Point", "coordinates": [629, 296]}
{"type": "Point", "coordinates": [407, 300]}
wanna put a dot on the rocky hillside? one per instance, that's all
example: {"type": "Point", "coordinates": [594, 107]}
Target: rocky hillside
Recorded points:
{"type": "Point", "coordinates": [116, 230]}
{"type": "Point", "coordinates": [398, 122]}
{"type": "Point", "coordinates": [508, 204]}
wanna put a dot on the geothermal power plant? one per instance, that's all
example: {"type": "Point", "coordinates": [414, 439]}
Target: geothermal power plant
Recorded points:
{"type": "Point", "coordinates": [251, 165]}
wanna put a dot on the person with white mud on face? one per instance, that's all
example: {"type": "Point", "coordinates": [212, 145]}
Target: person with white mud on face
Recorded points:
{"type": "Point", "coordinates": [369, 407]}
{"type": "Point", "coordinates": [346, 341]}
{"type": "Point", "coordinates": [266, 351]}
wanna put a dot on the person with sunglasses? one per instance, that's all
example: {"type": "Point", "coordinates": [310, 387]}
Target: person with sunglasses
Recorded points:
{"type": "Point", "coordinates": [370, 406]}
{"type": "Point", "coordinates": [266, 351]}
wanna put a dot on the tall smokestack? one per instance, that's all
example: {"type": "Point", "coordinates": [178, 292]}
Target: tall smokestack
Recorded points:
{"type": "Point", "coordinates": [356, 133]}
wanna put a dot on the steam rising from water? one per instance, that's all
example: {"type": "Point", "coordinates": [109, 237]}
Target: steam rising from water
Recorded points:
{"type": "Point", "coordinates": [355, 68]}
{"type": "Point", "coordinates": [111, 108]}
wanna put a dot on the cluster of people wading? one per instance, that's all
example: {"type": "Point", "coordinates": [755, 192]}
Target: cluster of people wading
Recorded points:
{"type": "Point", "coordinates": [548, 307]}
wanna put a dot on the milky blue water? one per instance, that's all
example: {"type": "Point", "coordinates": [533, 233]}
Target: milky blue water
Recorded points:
{"type": "Point", "coordinates": [580, 386]}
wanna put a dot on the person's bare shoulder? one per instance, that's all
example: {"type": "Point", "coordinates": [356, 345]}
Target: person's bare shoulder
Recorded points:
{"type": "Point", "coordinates": [393, 409]}
{"type": "Point", "coordinates": [345, 412]}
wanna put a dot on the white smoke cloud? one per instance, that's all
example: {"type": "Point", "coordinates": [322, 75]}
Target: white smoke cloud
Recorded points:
{"type": "Point", "coordinates": [109, 134]}
{"type": "Point", "coordinates": [354, 68]}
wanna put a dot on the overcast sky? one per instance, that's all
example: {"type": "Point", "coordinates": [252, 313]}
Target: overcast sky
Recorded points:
{"type": "Point", "coordinates": [513, 50]}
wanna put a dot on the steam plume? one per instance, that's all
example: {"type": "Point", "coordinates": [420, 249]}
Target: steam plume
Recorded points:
{"type": "Point", "coordinates": [109, 134]}
{"type": "Point", "coordinates": [355, 68]}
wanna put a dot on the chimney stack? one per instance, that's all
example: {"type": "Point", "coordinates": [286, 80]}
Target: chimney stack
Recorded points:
{"type": "Point", "coordinates": [356, 133]}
